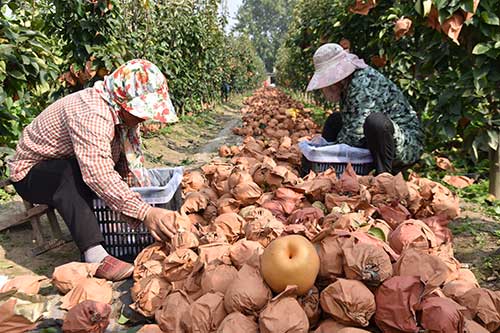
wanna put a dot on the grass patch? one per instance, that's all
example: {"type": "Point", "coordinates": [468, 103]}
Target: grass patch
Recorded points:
{"type": "Point", "coordinates": [481, 233]}
{"type": "Point", "coordinates": [4, 237]}
{"type": "Point", "coordinates": [186, 161]}
{"type": "Point", "coordinates": [5, 196]}
{"type": "Point", "coordinates": [465, 227]}
{"type": "Point", "coordinates": [491, 265]}
{"type": "Point", "coordinates": [43, 270]}
{"type": "Point", "coordinates": [152, 158]}
{"type": "Point", "coordinates": [318, 114]}
{"type": "Point", "coordinates": [478, 193]}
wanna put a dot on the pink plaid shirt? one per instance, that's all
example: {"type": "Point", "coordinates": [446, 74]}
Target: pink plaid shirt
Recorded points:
{"type": "Point", "coordinates": [81, 125]}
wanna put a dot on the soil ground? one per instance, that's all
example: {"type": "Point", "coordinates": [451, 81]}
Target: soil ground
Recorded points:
{"type": "Point", "coordinates": [477, 243]}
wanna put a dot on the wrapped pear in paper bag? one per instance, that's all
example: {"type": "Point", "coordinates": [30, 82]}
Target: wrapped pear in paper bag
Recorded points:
{"type": "Point", "coordinates": [215, 253]}
{"type": "Point", "coordinates": [87, 317]}
{"type": "Point", "coordinates": [178, 265]}
{"type": "Point", "coordinates": [431, 269]}
{"type": "Point", "coordinates": [227, 205]}
{"type": "Point", "coordinates": [247, 193]}
{"type": "Point", "coordinates": [206, 314]}
{"type": "Point", "coordinates": [148, 294]}
{"type": "Point", "coordinates": [310, 304]}
{"type": "Point", "coordinates": [192, 284]}
{"type": "Point", "coordinates": [231, 224]}
{"type": "Point", "coordinates": [28, 284]}
{"type": "Point", "coordinates": [171, 311]}
{"type": "Point", "coordinates": [248, 293]}
{"type": "Point", "coordinates": [465, 282]}
{"type": "Point", "coordinates": [264, 230]}
{"type": "Point", "coordinates": [193, 181]}
{"type": "Point", "coordinates": [93, 289]}
{"type": "Point", "coordinates": [236, 322]}
{"type": "Point", "coordinates": [331, 257]}
{"type": "Point", "coordinates": [412, 233]}
{"type": "Point", "coordinates": [328, 326]}
{"type": "Point", "coordinates": [194, 202]}
{"type": "Point", "coordinates": [155, 252]}
{"type": "Point", "coordinates": [216, 278]}
{"type": "Point", "coordinates": [150, 328]}
{"type": "Point", "coordinates": [243, 250]}
{"type": "Point", "coordinates": [396, 300]}
{"type": "Point", "coordinates": [366, 262]}
{"type": "Point", "coordinates": [349, 302]}
{"type": "Point", "coordinates": [284, 314]}
{"type": "Point", "coordinates": [483, 306]}
{"type": "Point", "coordinates": [470, 326]}
{"type": "Point", "coordinates": [441, 314]}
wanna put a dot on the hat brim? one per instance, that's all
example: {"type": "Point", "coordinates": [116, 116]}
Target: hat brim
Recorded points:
{"type": "Point", "coordinates": [331, 75]}
{"type": "Point", "coordinates": [153, 107]}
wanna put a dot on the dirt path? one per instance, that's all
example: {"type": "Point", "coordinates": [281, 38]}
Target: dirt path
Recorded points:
{"type": "Point", "coordinates": [195, 141]}
{"type": "Point", "coordinates": [476, 244]}
{"type": "Point", "coordinates": [192, 142]}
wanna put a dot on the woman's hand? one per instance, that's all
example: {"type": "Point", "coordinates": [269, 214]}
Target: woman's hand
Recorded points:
{"type": "Point", "coordinates": [160, 223]}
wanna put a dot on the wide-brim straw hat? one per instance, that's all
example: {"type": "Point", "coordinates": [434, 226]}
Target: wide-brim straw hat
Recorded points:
{"type": "Point", "coordinates": [332, 64]}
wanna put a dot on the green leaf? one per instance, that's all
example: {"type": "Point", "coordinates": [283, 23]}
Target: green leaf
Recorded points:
{"type": "Point", "coordinates": [25, 59]}
{"type": "Point", "coordinates": [35, 66]}
{"type": "Point", "coordinates": [5, 265]}
{"type": "Point", "coordinates": [419, 7]}
{"type": "Point", "coordinates": [49, 330]}
{"type": "Point", "coordinates": [481, 72]}
{"type": "Point", "coordinates": [481, 48]}
{"type": "Point", "coordinates": [88, 48]}
{"type": "Point", "coordinates": [490, 18]}
{"type": "Point", "coordinates": [79, 9]}
{"type": "Point", "coordinates": [440, 4]}
{"type": "Point", "coordinates": [122, 320]}
{"type": "Point", "coordinates": [468, 5]}
{"type": "Point", "coordinates": [378, 233]}
{"type": "Point", "coordinates": [8, 103]}
{"type": "Point", "coordinates": [427, 5]}
{"type": "Point", "coordinates": [493, 139]}
{"type": "Point", "coordinates": [17, 74]}
{"type": "Point", "coordinates": [6, 48]}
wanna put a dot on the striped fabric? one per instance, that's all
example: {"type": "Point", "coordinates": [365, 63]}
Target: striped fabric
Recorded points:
{"type": "Point", "coordinates": [81, 125]}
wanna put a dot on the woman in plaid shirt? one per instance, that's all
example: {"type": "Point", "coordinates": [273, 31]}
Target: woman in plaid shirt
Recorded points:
{"type": "Point", "coordinates": [89, 142]}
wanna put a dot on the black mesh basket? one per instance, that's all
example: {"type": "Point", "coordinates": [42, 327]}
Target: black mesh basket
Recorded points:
{"type": "Point", "coordinates": [307, 166]}
{"type": "Point", "coordinates": [122, 241]}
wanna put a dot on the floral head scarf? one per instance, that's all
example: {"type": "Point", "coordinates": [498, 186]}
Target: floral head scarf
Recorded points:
{"type": "Point", "coordinates": [140, 88]}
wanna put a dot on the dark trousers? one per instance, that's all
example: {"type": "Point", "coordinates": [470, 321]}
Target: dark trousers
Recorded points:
{"type": "Point", "coordinates": [225, 90]}
{"type": "Point", "coordinates": [59, 183]}
{"type": "Point", "coordinates": [379, 138]}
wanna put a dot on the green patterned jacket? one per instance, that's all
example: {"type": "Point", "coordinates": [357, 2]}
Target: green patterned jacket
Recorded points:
{"type": "Point", "coordinates": [369, 91]}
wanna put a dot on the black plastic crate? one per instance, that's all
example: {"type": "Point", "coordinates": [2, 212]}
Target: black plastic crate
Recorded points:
{"type": "Point", "coordinates": [122, 241]}
{"type": "Point", "coordinates": [307, 166]}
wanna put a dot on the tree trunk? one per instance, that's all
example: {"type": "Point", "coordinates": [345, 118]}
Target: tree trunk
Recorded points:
{"type": "Point", "coordinates": [495, 172]}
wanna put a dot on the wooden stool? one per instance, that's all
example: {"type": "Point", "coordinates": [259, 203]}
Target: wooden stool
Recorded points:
{"type": "Point", "coordinates": [32, 215]}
